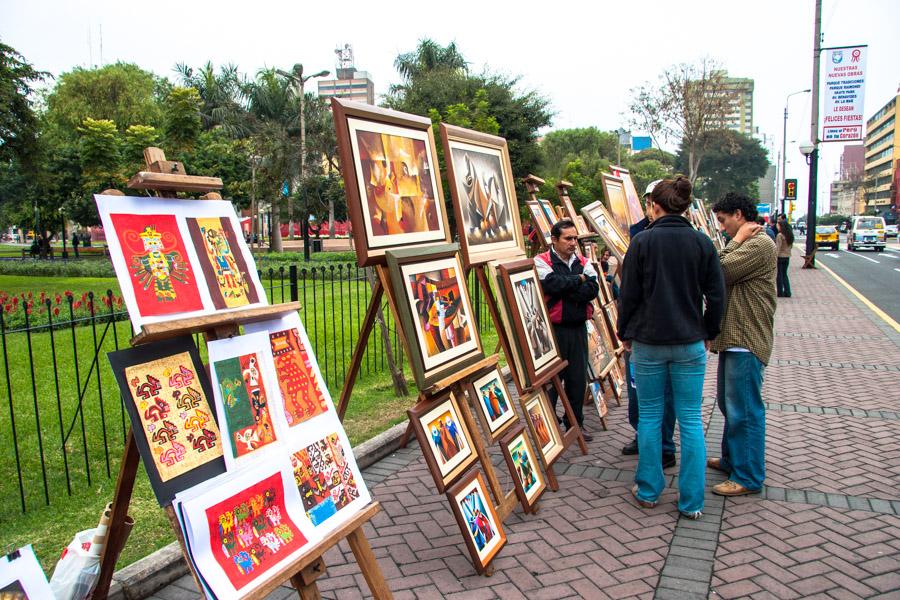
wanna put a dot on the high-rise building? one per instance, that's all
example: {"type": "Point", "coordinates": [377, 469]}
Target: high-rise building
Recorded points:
{"type": "Point", "coordinates": [853, 161]}
{"type": "Point", "coordinates": [740, 115]}
{"type": "Point", "coordinates": [883, 160]}
{"type": "Point", "coordinates": [349, 83]}
{"type": "Point", "coordinates": [848, 194]}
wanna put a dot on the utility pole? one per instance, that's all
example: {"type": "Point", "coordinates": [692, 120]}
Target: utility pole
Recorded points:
{"type": "Point", "coordinates": [814, 137]}
{"type": "Point", "coordinates": [784, 146]}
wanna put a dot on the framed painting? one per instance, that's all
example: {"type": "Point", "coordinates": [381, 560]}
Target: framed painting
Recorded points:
{"type": "Point", "coordinates": [616, 201]}
{"type": "Point", "coordinates": [580, 225]}
{"type": "Point", "coordinates": [168, 398]}
{"type": "Point", "coordinates": [433, 302]}
{"type": "Point", "coordinates": [22, 577]}
{"type": "Point", "coordinates": [481, 526]}
{"type": "Point", "coordinates": [244, 527]}
{"type": "Point", "coordinates": [391, 178]}
{"type": "Point", "coordinates": [483, 193]}
{"type": "Point", "coordinates": [248, 398]}
{"type": "Point", "coordinates": [543, 425]}
{"type": "Point", "coordinates": [444, 437]}
{"type": "Point", "coordinates": [600, 353]}
{"type": "Point", "coordinates": [549, 211]}
{"type": "Point", "coordinates": [600, 219]}
{"type": "Point", "coordinates": [177, 258]}
{"type": "Point", "coordinates": [632, 198]}
{"type": "Point", "coordinates": [494, 404]}
{"type": "Point", "coordinates": [539, 219]}
{"type": "Point", "coordinates": [599, 399]}
{"type": "Point", "coordinates": [531, 323]}
{"type": "Point", "coordinates": [523, 467]}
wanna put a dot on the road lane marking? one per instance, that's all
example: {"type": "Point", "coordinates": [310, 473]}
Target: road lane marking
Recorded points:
{"type": "Point", "coordinates": [863, 257]}
{"type": "Point", "coordinates": [832, 255]}
{"type": "Point", "coordinates": [898, 270]}
{"type": "Point", "coordinates": [884, 316]}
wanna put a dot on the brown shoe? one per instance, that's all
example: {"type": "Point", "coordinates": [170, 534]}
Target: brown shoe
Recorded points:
{"type": "Point", "coordinates": [643, 503]}
{"type": "Point", "coordinates": [732, 488]}
{"type": "Point", "coordinates": [716, 463]}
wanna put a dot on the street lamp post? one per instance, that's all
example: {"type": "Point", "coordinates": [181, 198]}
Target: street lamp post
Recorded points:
{"type": "Point", "coordinates": [784, 145]}
{"type": "Point", "coordinates": [813, 148]}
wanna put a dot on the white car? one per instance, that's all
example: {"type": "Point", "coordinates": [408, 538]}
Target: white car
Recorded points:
{"type": "Point", "coordinates": [890, 231]}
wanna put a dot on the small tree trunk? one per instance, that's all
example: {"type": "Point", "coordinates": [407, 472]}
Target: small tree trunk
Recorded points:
{"type": "Point", "coordinates": [331, 218]}
{"type": "Point", "coordinates": [396, 372]}
{"type": "Point", "coordinates": [275, 241]}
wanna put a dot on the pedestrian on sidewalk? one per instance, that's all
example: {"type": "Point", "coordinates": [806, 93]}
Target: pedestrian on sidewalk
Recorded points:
{"type": "Point", "coordinates": [570, 283]}
{"type": "Point", "coordinates": [744, 345]}
{"type": "Point", "coordinates": [670, 272]}
{"type": "Point", "coordinates": [668, 420]}
{"type": "Point", "coordinates": [783, 243]}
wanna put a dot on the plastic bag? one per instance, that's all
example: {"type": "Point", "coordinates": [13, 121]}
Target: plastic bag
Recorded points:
{"type": "Point", "coordinates": [78, 568]}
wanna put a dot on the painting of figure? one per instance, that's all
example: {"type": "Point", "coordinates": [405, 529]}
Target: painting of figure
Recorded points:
{"type": "Point", "coordinates": [443, 318]}
{"type": "Point", "coordinates": [245, 403]}
{"type": "Point", "coordinates": [493, 402]}
{"type": "Point", "coordinates": [223, 262]}
{"type": "Point", "coordinates": [444, 438]}
{"type": "Point", "coordinates": [522, 463]}
{"type": "Point", "coordinates": [539, 219]}
{"type": "Point", "coordinates": [537, 327]}
{"type": "Point", "coordinates": [544, 427]}
{"type": "Point", "coordinates": [477, 518]}
{"type": "Point", "coordinates": [486, 210]}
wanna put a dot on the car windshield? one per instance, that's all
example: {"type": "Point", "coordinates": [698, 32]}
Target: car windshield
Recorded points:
{"type": "Point", "coordinates": [869, 224]}
{"type": "Point", "coordinates": [824, 229]}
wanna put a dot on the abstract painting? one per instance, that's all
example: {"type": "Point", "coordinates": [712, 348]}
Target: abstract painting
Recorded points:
{"type": "Point", "coordinates": [617, 201]}
{"type": "Point", "coordinates": [223, 264]}
{"type": "Point", "coordinates": [600, 353]}
{"type": "Point", "coordinates": [598, 398]}
{"type": "Point", "coordinates": [544, 426]}
{"type": "Point", "coordinates": [168, 398]}
{"type": "Point", "coordinates": [522, 463]}
{"type": "Point", "coordinates": [325, 478]}
{"type": "Point", "coordinates": [539, 219]}
{"type": "Point", "coordinates": [600, 219]}
{"type": "Point", "coordinates": [477, 518]}
{"type": "Point", "coordinates": [444, 438]}
{"type": "Point", "coordinates": [635, 210]}
{"type": "Point", "coordinates": [494, 403]}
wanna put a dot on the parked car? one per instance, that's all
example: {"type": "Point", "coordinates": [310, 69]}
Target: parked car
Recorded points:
{"type": "Point", "coordinates": [890, 231]}
{"type": "Point", "coordinates": [827, 235]}
{"type": "Point", "coordinates": [866, 232]}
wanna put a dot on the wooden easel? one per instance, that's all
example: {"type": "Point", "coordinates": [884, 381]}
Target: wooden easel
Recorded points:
{"type": "Point", "coordinates": [167, 178]}
{"type": "Point", "coordinates": [532, 186]}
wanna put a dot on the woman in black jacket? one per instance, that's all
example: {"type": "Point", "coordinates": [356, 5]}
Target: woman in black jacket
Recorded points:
{"type": "Point", "coordinates": [671, 272]}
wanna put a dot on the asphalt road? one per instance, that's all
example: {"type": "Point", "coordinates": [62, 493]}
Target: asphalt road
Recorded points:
{"type": "Point", "coordinates": [875, 275]}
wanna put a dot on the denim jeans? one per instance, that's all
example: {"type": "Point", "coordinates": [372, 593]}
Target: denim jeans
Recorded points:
{"type": "Point", "coordinates": [782, 283]}
{"type": "Point", "coordinates": [681, 366]}
{"type": "Point", "coordinates": [739, 396]}
{"type": "Point", "coordinates": [634, 417]}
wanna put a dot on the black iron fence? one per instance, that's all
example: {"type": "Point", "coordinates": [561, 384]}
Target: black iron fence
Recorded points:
{"type": "Point", "coordinates": [62, 422]}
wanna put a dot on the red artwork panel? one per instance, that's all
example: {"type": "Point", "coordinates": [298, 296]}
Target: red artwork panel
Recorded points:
{"type": "Point", "coordinates": [251, 532]}
{"type": "Point", "coordinates": [296, 377]}
{"type": "Point", "coordinates": [160, 273]}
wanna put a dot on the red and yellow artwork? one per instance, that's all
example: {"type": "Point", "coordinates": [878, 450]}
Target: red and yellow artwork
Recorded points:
{"type": "Point", "coordinates": [246, 405]}
{"type": "Point", "coordinates": [161, 276]}
{"type": "Point", "coordinates": [222, 262]}
{"type": "Point", "coordinates": [440, 310]}
{"type": "Point", "coordinates": [175, 415]}
{"type": "Point", "coordinates": [397, 174]}
{"type": "Point", "coordinates": [303, 399]}
{"type": "Point", "coordinates": [251, 532]}
{"type": "Point", "coordinates": [325, 478]}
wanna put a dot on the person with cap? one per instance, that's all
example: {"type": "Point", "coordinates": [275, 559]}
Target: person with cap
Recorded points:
{"type": "Point", "coordinates": [668, 421]}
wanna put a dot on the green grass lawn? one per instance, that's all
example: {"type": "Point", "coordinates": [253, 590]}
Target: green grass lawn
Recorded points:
{"type": "Point", "coordinates": [332, 312]}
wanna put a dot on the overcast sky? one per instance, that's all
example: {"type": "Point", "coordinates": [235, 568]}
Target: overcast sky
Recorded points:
{"type": "Point", "coordinates": [584, 56]}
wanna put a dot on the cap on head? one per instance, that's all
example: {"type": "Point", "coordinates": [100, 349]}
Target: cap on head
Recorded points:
{"type": "Point", "coordinates": [650, 187]}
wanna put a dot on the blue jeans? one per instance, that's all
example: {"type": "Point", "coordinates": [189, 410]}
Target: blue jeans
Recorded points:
{"type": "Point", "coordinates": [634, 417]}
{"type": "Point", "coordinates": [681, 366]}
{"type": "Point", "coordinates": [739, 396]}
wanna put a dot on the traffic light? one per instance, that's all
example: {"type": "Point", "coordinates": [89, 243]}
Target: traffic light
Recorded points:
{"type": "Point", "coordinates": [790, 189]}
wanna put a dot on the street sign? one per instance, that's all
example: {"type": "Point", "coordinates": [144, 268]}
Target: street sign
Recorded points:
{"type": "Point", "coordinates": [764, 210]}
{"type": "Point", "coordinates": [790, 189]}
{"type": "Point", "coordinates": [845, 86]}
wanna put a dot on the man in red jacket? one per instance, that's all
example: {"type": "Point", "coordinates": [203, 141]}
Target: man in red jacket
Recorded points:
{"type": "Point", "coordinates": [570, 284]}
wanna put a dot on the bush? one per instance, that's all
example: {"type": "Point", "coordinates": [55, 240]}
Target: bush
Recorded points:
{"type": "Point", "coordinates": [76, 267]}
{"type": "Point", "coordinates": [37, 305]}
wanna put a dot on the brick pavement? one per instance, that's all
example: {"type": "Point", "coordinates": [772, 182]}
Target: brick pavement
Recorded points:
{"type": "Point", "coordinates": [826, 524]}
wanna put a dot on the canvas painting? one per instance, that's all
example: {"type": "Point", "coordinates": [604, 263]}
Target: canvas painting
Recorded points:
{"type": "Point", "coordinates": [444, 437]}
{"type": "Point", "coordinates": [549, 211]}
{"type": "Point", "coordinates": [544, 427]}
{"type": "Point", "coordinates": [602, 222]}
{"type": "Point", "coordinates": [571, 213]}
{"type": "Point", "coordinates": [21, 576]}
{"type": "Point", "coordinates": [247, 396]}
{"type": "Point", "coordinates": [162, 278]}
{"type": "Point", "coordinates": [599, 352]}
{"type": "Point", "coordinates": [303, 390]}
{"type": "Point", "coordinates": [617, 202]}
{"type": "Point", "coordinates": [482, 528]}
{"type": "Point", "coordinates": [483, 194]}
{"type": "Point", "coordinates": [539, 219]}
{"type": "Point", "coordinates": [224, 267]}
{"type": "Point", "coordinates": [523, 465]}
{"type": "Point", "coordinates": [167, 396]}
{"type": "Point", "coordinates": [494, 403]}
{"type": "Point", "coordinates": [325, 478]}
{"type": "Point", "coordinates": [599, 400]}
{"type": "Point", "coordinates": [531, 318]}
{"type": "Point", "coordinates": [244, 527]}
{"type": "Point", "coordinates": [632, 198]}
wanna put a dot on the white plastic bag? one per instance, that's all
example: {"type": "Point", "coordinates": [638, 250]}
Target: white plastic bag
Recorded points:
{"type": "Point", "coordinates": [78, 569]}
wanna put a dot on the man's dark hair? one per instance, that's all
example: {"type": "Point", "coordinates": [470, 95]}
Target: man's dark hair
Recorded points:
{"type": "Point", "coordinates": [731, 203]}
{"type": "Point", "coordinates": [557, 228]}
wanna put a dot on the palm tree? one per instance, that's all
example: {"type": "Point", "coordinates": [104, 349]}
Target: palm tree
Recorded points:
{"type": "Point", "coordinates": [430, 56]}
{"type": "Point", "coordinates": [221, 93]}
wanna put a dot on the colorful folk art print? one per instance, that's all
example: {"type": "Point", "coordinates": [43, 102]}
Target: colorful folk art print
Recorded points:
{"type": "Point", "coordinates": [300, 391]}
{"type": "Point", "coordinates": [397, 179]}
{"type": "Point", "coordinates": [441, 311]}
{"type": "Point", "coordinates": [324, 478]}
{"type": "Point", "coordinates": [175, 415]}
{"type": "Point", "coordinates": [245, 404]}
{"type": "Point", "coordinates": [222, 261]}
{"type": "Point", "coordinates": [158, 266]}
{"type": "Point", "coordinates": [252, 531]}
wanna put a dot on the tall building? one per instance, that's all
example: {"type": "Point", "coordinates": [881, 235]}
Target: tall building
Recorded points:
{"type": "Point", "coordinates": [766, 185]}
{"type": "Point", "coordinates": [848, 194]}
{"type": "Point", "coordinates": [883, 160]}
{"type": "Point", "coordinates": [853, 161]}
{"type": "Point", "coordinates": [349, 83]}
{"type": "Point", "coordinates": [740, 115]}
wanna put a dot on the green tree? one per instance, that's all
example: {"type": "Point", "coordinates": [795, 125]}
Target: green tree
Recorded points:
{"type": "Point", "coordinates": [136, 139]}
{"type": "Point", "coordinates": [221, 94]}
{"type": "Point", "coordinates": [217, 154]}
{"type": "Point", "coordinates": [18, 122]}
{"type": "Point", "coordinates": [733, 163]}
{"type": "Point", "coordinates": [182, 118]}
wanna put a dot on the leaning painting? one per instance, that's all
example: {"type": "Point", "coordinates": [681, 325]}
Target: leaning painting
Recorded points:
{"type": "Point", "coordinates": [477, 518]}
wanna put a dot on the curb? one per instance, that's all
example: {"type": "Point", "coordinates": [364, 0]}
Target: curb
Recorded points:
{"type": "Point", "coordinates": [155, 571]}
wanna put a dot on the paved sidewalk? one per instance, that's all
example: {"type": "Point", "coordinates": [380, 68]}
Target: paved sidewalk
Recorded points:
{"type": "Point", "coordinates": [826, 524]}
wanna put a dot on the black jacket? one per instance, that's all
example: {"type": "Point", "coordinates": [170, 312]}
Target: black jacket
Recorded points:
{"type": "Point", "coordinates": [568, 298]}
{"type": "Point", "coordinates": [669, 269]}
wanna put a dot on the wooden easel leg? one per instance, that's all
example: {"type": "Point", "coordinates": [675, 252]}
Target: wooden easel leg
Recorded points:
{"type": "Point", "coordinates": [365, 558]}
{"type": "Point", "coordinates": [361, 343]}
{"type": "Point", "coordinates": [407, 435]}
{"type": "Point", "coordinates": [574, 429]}
{"type": "Point", "coordinates": [305, 581]}
{"type": "Point", "coordinates": [552, 481]}
{"type": "Point", "coordinates": [124, 488]}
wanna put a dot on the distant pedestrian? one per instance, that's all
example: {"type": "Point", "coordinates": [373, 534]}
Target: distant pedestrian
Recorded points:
{"type": "Point", "coordinates": [671, 303]}
{"type": "Point", "coordinates": [769, 230]}
{"type": "Point", "coordinates": [75, 242]}
{"type": "Point", "coordinates": [744, 345]}
{"type": "Point", "coordinates": [783, 243]}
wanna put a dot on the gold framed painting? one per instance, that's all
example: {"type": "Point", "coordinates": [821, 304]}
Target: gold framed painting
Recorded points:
{"type": "Point", "coordinates": [494, 403]}
{"type": "Point", "coordinates": [543, 425]}
{"type": "Point", "coordinates": [391, 178]}
{"type": "Point", "coordinates": [603, 223]}
{"type": "Point", "coordinates": [434, 309]}
{"type": "Point", "coordinates": [483, 193]}
{"type": "Point", "coordinates": [477, 519]}
{"type": "Point", "coordinates": [523, 466]}
{"type": "Point", "coordinates": [617, 201]}
{"type": "Point", "coordinates": [570, 213]}
{"type": "Point", "coordinates": [633, 199]}
{"type": "Point", "coordinates": [444, 437]}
